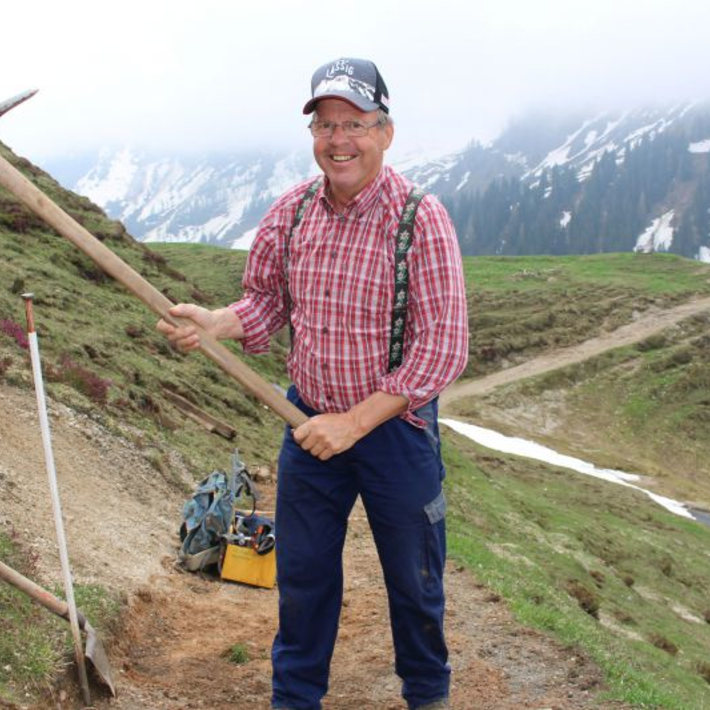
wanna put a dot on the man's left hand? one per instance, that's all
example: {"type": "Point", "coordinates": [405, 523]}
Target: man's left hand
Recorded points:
{"type": "Point", "coordinates": [327, 434]}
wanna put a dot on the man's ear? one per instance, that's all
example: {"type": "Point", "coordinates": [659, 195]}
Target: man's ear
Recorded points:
{"type": "Point", "coordinates": [388, 131]}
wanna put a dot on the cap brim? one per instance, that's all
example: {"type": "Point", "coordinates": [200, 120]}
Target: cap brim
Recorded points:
{"type": "Point", "coordinates": [359, 102]}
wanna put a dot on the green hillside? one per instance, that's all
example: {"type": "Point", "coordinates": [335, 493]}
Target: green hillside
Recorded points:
{"type": "Point", "coordinates": [602, 568]}
{"type": "Point", "coordinates": [522, 306]}
{"type": "Point", "coordinates": [100, 350]}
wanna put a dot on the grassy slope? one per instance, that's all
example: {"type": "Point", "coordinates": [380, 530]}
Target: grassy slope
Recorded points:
{"type": "Point", "coordinates": [503, 511]}
{"type": "Point", "coordinates": [86, 317]}
{"type": "Point", "coordinates": [552, 542]}
{"type": "Point", "coordinates": [520, 306]}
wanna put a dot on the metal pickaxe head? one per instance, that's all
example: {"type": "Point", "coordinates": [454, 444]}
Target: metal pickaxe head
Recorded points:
{"type": "Point", "coordinates": [8, 105]}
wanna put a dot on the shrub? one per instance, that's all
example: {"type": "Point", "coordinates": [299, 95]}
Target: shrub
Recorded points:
{"type": "Point", "coordinates": [14, 330]}
{"type": "Point", "coordinates": [81, 379]}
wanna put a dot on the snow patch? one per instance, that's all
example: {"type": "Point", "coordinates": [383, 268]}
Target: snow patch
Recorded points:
{"type": "Point", "coordinates": [464, 180]}
{"type": "Point", "coordinates": [113, 186]}
{"type": "Point", "coordinates": [700, 147]}
{"type": "Point", "coordinates": [658, 236]}
{"type": "Point", "coordinates": [565, 219]}
{"type": "Point", "coordinates": [704, 255]}
{"type": "Point", "coordinates": [245, 241]}
{"type": "Point", "coordinates": [529, 449]}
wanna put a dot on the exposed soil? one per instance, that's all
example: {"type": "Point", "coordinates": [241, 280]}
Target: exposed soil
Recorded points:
{"type": "Point", "coordinates": [122, 519]}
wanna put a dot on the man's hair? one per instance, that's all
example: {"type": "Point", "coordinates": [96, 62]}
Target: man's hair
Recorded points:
{"type": "Point", "coordinates": [384, 118]}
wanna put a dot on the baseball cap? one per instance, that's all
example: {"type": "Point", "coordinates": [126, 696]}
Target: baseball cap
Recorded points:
{"type": "Point", "coordinates": [357, 81]}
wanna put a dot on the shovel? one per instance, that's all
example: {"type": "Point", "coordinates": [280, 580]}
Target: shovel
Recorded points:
{"type": "Point", "coordinates": [94, 648]}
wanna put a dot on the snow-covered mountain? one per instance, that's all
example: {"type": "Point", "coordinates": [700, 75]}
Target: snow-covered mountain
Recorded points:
{"type": "Point", "coordinates": [215, 199]}
{"type": "Point", "coordinates": [219, 199]}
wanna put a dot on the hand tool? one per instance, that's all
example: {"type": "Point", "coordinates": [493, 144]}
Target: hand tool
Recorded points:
{"type": "Point", "coordinates": [95, 651]}
{"type": "Point", "coordinates": [50, 212]}
{"type": "Point", "coordinates": [54, 491]}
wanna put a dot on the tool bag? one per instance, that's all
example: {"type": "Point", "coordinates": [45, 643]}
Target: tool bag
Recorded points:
{"type": "Point", "coordinates": [208, 515]}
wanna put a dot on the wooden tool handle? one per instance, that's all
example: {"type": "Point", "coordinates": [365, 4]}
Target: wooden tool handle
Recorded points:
{"type": "Point", "coordinates": [50, 212]}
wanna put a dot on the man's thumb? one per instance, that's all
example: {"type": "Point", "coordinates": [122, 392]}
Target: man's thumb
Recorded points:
{"type": "Point", "coordinates": [183, 310]}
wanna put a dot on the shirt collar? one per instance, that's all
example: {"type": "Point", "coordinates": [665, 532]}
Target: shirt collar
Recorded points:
{"type": "Point", "coordinates": [364, 200]}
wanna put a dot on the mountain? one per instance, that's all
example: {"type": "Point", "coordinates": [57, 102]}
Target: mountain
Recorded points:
{"type": "Point", "coordinates": [211, 198]}
{"type": "Point", "coordinates": [637, 181]}
{"type": "Point", "coordinates": [549, 184]}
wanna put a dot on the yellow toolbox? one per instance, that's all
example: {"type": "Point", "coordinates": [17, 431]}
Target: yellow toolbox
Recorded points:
{"type": "Point", "coordinates": [242, 564]}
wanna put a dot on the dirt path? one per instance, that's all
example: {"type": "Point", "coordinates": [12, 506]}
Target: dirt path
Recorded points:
{"type": "Point", "coordinates": [122, 519]}
{"type": "Point", "coordinates": [641, 328]}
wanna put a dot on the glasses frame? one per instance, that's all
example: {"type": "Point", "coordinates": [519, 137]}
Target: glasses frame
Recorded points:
{"type": "Point", "coordinates": [346, 127]}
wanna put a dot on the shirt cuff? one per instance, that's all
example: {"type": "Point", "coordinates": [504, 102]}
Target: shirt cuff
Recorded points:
{"type": "Point", "coordinates": [256, 337]}
{"type": "Point", "coordinates": [390, 386]}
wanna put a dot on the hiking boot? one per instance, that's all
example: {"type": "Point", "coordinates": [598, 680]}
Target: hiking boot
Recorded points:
{"type": "Point", "coordinates": [442, 704]}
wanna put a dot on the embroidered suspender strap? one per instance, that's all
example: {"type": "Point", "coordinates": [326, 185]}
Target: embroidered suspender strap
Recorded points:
{"type": "Point", "coordinates": [303, 206]}
{"type": "Point", "coordinates": [405, 233]}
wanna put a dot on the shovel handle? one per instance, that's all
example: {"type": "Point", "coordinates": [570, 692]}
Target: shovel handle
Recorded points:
{"type": "Point", "coordinates": [39, 594]}
{"type": "Point", "coordinates": [56, 217]}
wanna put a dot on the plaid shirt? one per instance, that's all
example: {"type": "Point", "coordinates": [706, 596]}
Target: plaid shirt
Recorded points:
{"type": "Point", "coordinates": [341, 281]}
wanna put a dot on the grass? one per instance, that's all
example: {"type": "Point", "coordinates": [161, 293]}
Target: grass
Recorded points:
{"type": "Point", "coordinates": [603, 569]}
{"type": "Point", "coordinates": [521, 306]}
{"type": "Point", "coordinates": [237, 654]}
{"type": "Point", "coordinates": [100, 350]}
{"type": "Point", "coordinates": [35, 645]}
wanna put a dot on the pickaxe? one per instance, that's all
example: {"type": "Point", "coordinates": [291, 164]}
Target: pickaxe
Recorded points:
{"type": "Point", "coordinates": [50, 212]}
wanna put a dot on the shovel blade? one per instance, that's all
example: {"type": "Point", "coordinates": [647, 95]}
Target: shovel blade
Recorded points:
{"type": "Point", "coordinates": [96, 653]}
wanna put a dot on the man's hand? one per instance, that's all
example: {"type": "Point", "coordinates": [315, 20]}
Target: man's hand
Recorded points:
{"type": "Point", "coordinates": [221, 323]}
{"type": "Point", "coordinates": [327, 434]}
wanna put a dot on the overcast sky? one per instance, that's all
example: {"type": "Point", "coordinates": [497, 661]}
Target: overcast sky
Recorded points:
{"type": "Point", "coordinates": [208, 74]}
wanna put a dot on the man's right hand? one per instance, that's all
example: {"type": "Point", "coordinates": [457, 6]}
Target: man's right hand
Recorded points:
{"type": "Point", "coordinates": [221, 324]}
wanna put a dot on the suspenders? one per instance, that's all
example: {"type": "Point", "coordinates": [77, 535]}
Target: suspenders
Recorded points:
{"type": "Point", "coordinates": [405, 232]}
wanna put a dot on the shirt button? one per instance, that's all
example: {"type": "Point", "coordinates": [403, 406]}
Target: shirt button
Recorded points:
{"type": "Point", "coordinates": [327, 292]}
{"type": "Point", "coordinates": [333, 254]}
{"type": "Point", "coordinates": [325, 330]}
{"type": "Point", "coordinates": [325, 365]}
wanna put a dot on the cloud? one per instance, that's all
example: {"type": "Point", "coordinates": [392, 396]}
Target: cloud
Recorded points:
{"type": "Point", "coordinates": [180, 75]}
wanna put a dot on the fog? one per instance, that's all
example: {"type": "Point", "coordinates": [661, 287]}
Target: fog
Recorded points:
{"type": "Point", "coordinates": [219, 74]}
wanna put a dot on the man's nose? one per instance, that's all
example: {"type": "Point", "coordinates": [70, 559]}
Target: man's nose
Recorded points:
{"type": "Point", "coordinates": [338, 135]}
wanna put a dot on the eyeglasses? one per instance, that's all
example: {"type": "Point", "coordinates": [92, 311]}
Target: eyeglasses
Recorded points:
{"type": "Point", "coordinates": [354, 129]}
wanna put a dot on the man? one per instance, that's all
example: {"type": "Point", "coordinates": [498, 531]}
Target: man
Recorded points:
{"type": "Point", "coordinates": [373, 428]}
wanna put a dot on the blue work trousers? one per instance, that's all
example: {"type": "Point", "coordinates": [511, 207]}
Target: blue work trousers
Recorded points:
{"type": "Point", "coordinates": [397, 470]}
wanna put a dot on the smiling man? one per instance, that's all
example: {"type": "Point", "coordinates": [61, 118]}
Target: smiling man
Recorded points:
{"type": "Point", "coordinates": [367, 272]}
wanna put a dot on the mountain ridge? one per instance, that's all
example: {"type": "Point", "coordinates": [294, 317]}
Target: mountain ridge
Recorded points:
{"type": "Point", "coordinates": [533, 190]}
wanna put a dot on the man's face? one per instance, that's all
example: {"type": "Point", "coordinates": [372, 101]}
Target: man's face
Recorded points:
{"type": "Point", "coordinates": [350, 162]}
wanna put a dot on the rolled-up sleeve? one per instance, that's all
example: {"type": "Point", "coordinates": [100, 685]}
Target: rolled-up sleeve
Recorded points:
{"type": "Point", "coordinates": [436, 343]}
{"type": "Point", "coordinates": [262, 309]}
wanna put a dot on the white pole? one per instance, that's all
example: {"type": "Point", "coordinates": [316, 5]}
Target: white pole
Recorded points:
{"type": "Point", "coordinates": [54, 490]}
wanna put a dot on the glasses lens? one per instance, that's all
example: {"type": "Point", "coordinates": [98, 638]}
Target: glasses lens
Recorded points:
{"type": "Point", "coordinates": [354, 128]}
{"type": "Point", "coordinates": [350, 128]}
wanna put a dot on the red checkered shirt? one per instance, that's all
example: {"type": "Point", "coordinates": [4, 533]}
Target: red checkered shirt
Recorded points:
{"type": "Point", "coordinates": [341, 281]}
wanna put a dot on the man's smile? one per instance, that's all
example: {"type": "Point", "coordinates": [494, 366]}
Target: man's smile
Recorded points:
{"type": "Point", "coordinates": [342, 158]}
